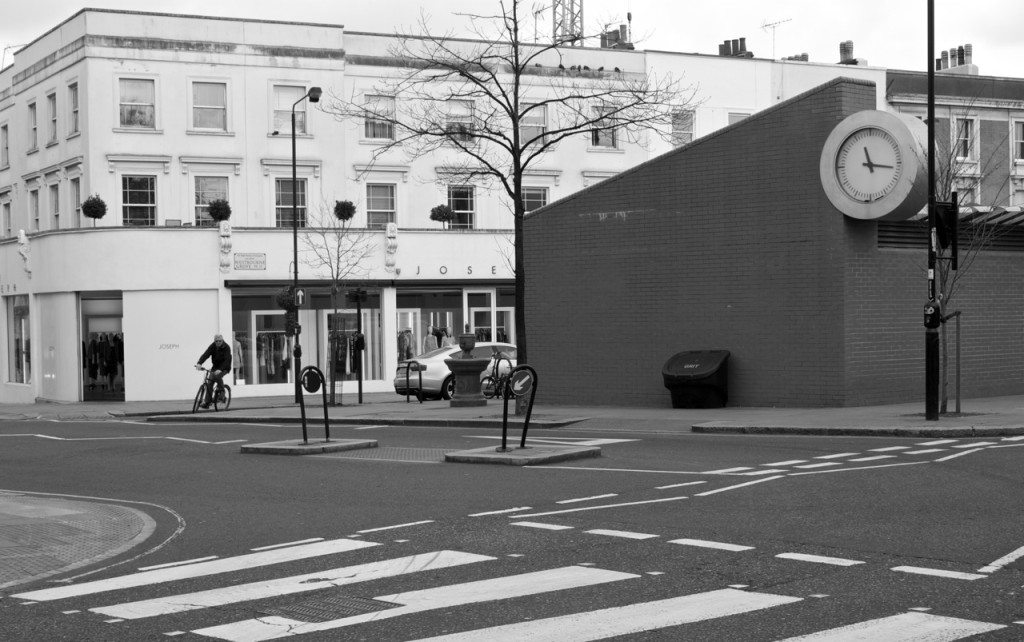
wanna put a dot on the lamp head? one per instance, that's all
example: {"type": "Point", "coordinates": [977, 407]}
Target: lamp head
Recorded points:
{"type": "Point", "coordinates": [314, 94]}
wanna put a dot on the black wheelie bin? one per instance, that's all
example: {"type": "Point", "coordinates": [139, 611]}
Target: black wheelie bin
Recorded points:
{"type": "Point", "coordinates": [698, 378]}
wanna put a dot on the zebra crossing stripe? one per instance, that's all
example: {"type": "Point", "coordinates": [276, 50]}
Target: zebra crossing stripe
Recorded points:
{"type": "Point", "coordinates": [906, 627]}
{"type": "Point", "coordinates": [558, 579]}
{"type": "Point", "coordinates": [624, 620]}
{"type": "Point", "coordinates": [290, 585]}
{"type": "Point", "coordinates": [200, 569]}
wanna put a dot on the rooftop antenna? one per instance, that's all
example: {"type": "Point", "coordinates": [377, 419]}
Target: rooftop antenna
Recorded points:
{"type": "Point", "coordinates": [537, 10]}
{"type": "Point", "coordinates": [3, 57]}
{"type": "Point", "coordinates": [772, 25]}
{"type": "Point", "coordinates": [567, 22]}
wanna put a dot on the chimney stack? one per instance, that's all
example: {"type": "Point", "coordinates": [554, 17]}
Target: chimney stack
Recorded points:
{"type": "Point", "coordinates": [736, 47]}
{"type": "Point", "coordinates": [958, 60]}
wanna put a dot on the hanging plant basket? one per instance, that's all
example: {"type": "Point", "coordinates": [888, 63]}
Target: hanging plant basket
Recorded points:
{"type": "Point", "coordinates": [442, 214]}
{"type": "Point", "coordinates": [220, 210]}
{"type": "Point", "coordinates": [344, 210]}
{"type": "Point", "coordinates": [285, 299]}
{"type": "Point", "coordinates": [94, 207]}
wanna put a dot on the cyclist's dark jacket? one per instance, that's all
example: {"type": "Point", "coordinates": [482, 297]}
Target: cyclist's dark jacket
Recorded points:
{"type": "Point", "coordinates": [220, 357]}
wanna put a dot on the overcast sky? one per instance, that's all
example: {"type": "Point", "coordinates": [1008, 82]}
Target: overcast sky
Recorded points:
{"type": "Point", "coordinates": [888, 33]}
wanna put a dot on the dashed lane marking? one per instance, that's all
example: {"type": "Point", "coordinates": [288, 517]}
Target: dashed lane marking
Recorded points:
{"type": "Point", "coordinates": [926, 451]}
{"type": "Point", "coordinates": [836, 456]}
{"type": "Point", "coordinates": [603, 506]}
{"type": "Point", "coordinates": [728, 488]}
{"type": "Point", "coordinates": [541, 525]}
{"type": "Point", "coordinates": [766, 471]}
{"type": "Point", "coordinates": [960, 454]}
{"type": "Point", "coordinates": [393, 526]}
{"type": "Point", "coordinates": [586, 499]}
{"type": "Point", "coordinates": [725, 471]}
{"type": "Point", "coordinates": [273, 546]}
{"type": "Point", "coordinates": [906, 627]}
{"type": "Point", "coordinates": [937, 572]}
{"type": "Point", "coordinates": [819, 465]}
{"type": "Point", "coordinates": [938, 442]}
{"type": "Point", "coordinates": [1003, 561]}
{"type": "Point", "coordinates": [693, 483]}
{"type": "Point", "coordinates": [625, 534]}
{"type": "Point", "coordinates": [788, 462]}
{"type": "Point", "coordinates": [703, 543]}
{"type": "Point", "coordinates": [889, 448]}
{"type": "Point", "coordinates": [181, 563]}
{"type": "Point", "coordinates": [501, 512]}
{"type": "Point", "coordinates": [873, 458]}
{"type": "Point", "coordinates": [980, 443]}
{"type": "Point", "coordinates": [818, 559]}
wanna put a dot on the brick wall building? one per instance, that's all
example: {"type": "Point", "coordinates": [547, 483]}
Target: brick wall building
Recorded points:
{"type": "Point", "coordinates": [731, 243]}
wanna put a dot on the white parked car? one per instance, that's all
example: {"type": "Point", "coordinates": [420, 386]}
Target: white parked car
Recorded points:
{"type": "Point", "coordinates": [438, 382]}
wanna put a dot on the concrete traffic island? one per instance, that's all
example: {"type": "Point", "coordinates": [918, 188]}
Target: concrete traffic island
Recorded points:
{"type": "Point", "coordinates": [528, 456]}
{"type": "Point", "coordinates": [293, 447]}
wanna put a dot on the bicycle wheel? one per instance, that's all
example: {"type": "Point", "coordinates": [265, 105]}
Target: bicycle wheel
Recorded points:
{"type": "Point", "coordinates": [199, 397]}
{"type": "Point", "coordinates": [489, 387]}
{"type": "Point", "coordinates": [222, 402]}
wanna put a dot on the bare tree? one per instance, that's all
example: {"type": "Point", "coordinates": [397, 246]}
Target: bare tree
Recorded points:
{"type": "Point", "coordinates": [502, 103]}
{"type": "Point", "coordinates": [332, 247]}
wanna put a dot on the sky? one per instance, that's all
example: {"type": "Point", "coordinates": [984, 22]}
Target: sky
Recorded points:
{"type": "Point", "coordinates": [887, 33]}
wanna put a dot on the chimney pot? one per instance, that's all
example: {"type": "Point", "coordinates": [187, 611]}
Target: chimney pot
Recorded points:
{"type": "Point", "coordinates": [723, 50]}
{"type": "Point", "coordinates": [969, 54]}
{"type": "Point", "coordinates": [959, 55]}
{"type": "Point", "coordinates": [743, 44]}
{"type": "Point", "coordinates": [945, 60]}
{"type": "Point", "coordinates": [735, 46]}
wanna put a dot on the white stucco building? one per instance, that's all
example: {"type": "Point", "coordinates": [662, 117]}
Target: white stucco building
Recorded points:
{"type": "Point", "coordinates": [159, 114]}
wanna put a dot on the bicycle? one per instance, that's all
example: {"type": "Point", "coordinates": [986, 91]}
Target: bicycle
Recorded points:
{"type": "Point", "coordinates": [496, 384]}
{"type": "Point", "coordinates": [221, 396]}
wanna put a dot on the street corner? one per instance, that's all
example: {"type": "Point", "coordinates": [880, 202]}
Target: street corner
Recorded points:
{"type": "Point", "coordinates": [528, 456]}
{"type": "Point", "coordinates": [293, 447]}
{"type": "Point", "coordinates": [45, 535]}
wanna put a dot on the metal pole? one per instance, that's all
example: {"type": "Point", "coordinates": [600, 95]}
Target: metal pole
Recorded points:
{"type": "Point", "coordinates": [359, 331]}
{"type": "Point", "coordinates": [931, 335]}
{"type": "Point", "coordinates": [297, 352]}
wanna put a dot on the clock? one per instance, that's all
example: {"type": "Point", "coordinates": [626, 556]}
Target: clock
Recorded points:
{"type": "Point", "coordinates": [873, 166]}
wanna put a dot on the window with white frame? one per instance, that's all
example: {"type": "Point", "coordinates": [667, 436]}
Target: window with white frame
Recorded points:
{"type": "Point", "coordinates": [138, 200]}
{"type": "Point", "coordinates": [19, 339]}
{"type": "Point", "coordinates": [603, 137]}
{"type": "Point", "coordinates": [137, 103]}
{"type": "Point", "coordinates": [963, 138]}
{"type": "Point", "coordinates": [5, 211]}
{"type": "Point", "coordinates": [33, 128]}
{"type": "Point", "coordinates": [33, 209]}
{"type": "Point", "coordinates": [208, 189]}
{"type": "Point", "coordinates": [284, 197]}
{"type": "Point", "coordinates": [380, 205]}
{"type": "Point", "coordinates": [76, 199]}
{"type": "Point", "coordinates": [73, 108]}
{"type": "Point", "coordinates": [459, 120]}
{"type": "Point", "coordinates": [737, 116]}
{"type": "Point", "coordinates": [55, 206]}
{"type": "Point", "coordinates": [533, 123]}
{"type": "Point", "coordinates": [380, 116]}
{"type": "Point", "coordinates": [51, 104]}
{"type": "Point", "coordinates": [462, 200]}
{"type": "Point", "coordinates": [210, 106]}
{"type": "Point", "coordinates": [5, 150]}
{"type": "Point", "coordinates": [1018, 140]}
{"type": "Point", "coordinates": [285, 96]}
{"type": "Point", "coordinates": [534, 197]}
{"type": "Point", "coordinates": [682, 127]}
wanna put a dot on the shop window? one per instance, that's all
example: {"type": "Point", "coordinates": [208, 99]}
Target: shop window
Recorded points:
{"type": "Point", "coordinates": [73, 108]}
{"type": "Point", "coordinates": [534, 197]}
{"type": "Point", "coordinates": [138, 200]}
{"type": "Point", "coordinates": [138, 103]}
{"type": "Point", "coordinates": [381, 127]}
{"type": "Point", "coordinates": [462, 200]}
{"type": "Point", "coordinates": [210, 106]}
{"type": "Point", "coordinates": [208, 188]}
{"type": "Point", "coordinates": [459, 122]}
{"type": "Point", "coordinates": [380, 206]}
{"type": "Point", "coordinates": [285, 96]}
{"type": "Point", "coordinates": [682, 127]}
{"type": "Point", "coordinates": [533, 123]}
{"type": "Point", "coordinates": [51, 103]}
{"type": "Point", "coordinates": [284, 196]}
{"type": "Point", "coordinates": [603, 137]}
{"type": "Point", "coordinates": [19, 340]}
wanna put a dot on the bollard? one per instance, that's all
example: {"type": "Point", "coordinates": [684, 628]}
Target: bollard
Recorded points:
{"type": "Point", "coordinates": [521, 380]}
{"type": "Point", "coordinates": [419, 370]}
{"type": "Point", "coordinates": [312, 379]}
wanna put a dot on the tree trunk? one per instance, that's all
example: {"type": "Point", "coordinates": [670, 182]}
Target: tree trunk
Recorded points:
{"type": "Point", "coordinates": [520, 314]}
{"type": "Point", "coordinates": [944, 372]}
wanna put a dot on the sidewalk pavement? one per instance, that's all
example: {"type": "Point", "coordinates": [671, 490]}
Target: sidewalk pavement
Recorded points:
{"type": "Point", "coordinates": [43, 535]}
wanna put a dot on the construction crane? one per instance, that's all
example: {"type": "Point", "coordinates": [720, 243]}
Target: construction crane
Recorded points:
{"type": "Point", "coordinates": [567, 22]}
{"type": "Point", "coordinates": [772, 25]}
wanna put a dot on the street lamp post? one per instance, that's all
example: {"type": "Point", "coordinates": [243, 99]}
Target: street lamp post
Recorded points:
{"type": "Point", "coordinates": [314, 97]}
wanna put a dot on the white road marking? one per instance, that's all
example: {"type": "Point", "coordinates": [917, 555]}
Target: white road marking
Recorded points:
{"type": "Point", "coordinates": [836, 456]}
{"type": "Point", "coordinates": [502, 588]}
{"type": "Point", "coordinates": [576, 510]}
{"type": "Point", "coordinates": [749, 483]}
{"type": "Point", "coordinates": [626, 620]}
{"type": "Point", "coordinates": [366, 427]}
{"type": "Point", "coordinates": [393, 526]}
{"type": "Point", "coordinates": [959, 454]}
{"type": "Point", "coordinates": [851, 469]}
{"type": "Point", "coordinates": [906, 627]}
{"type": "Point", "coordinates": [1003, 561]}
{"type": "Point", "coordinates": [181, 563]}
{"type": "Point", "coordinates": [586, 499]}
{"type": "Point", "coordinates": [702, 543]}
{"type": "Point", "coordinates": [926, 451]}
{"type": "Point", "coordinates": [818, 559]}
{"type": "Point", "coordinates": [767, 471]}
{"type": "Point", "coordinates": [562, 441]}
{"type": "Point", "coordinates": [548, 527]}
{"type": "Point", "coordinates": [249, 560]}
{"type": "Point", "coordinates": [820, 465]}
{"type": "Point", "coordinates": [232, 441]}
{"type": "Point", "coordinates": [290, 585]}
{"type": "Point", "coordinates": [679, 485]}
{"type": "Point", "coordinates": [616, 470]}
{"type": "Point", "coordinates": [625, 534]}
{"type": "Point", "coordinates": [273, 546]}
{"type": "Point", "coordinates": [980, 443]}
{"type": "Point", "coordinates": [956, 575]}
{"type": "Point", "coordinates": [725, 471]}
{"type": "Point", "coordinates": [885, 450]}
{"type": "Point", "coordinates": [873, 458]}
{"type": "Point", "coordinates": [789, 462]}
{"type": "Point", "coordinates": [501, 512]}
{"type": "Point", "coordinates": [194, 441]}
{"type": "Point", "coordinates": [940, 442]}
{"type": "Point", "coordinates": [1019, 438]}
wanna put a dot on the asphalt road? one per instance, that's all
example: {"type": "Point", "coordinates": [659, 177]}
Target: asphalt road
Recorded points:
{"type": "Point", "coordinates": [697, 537]}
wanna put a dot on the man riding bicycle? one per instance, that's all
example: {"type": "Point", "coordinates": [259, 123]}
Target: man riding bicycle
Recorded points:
{"type": "Point", "coordinates": [219, 354]}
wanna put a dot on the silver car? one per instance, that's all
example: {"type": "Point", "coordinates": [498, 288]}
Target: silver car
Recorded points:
{"type": "Point", "coordinates": [438, 381]}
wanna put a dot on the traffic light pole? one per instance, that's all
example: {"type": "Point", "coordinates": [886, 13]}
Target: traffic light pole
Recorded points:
{"type": "Point", "coordinates": [931, 334]}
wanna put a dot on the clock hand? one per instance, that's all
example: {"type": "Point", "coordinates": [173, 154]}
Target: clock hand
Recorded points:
{"type": "Point", "coordinates": [871, 166]}
{"type": "Point", "coordinates": [885, 166]}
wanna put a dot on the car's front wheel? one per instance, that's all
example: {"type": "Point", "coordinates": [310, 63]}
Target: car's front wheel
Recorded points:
{"type": "Point", "coordinates": [448, 388]}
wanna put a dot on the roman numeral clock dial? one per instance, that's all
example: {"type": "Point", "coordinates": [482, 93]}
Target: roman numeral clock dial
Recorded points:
{"type": "Point", "coordinates": [871, 166]}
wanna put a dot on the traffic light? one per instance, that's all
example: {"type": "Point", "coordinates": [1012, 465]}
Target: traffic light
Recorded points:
{"type": "Point", "coordinates": [947, 224]}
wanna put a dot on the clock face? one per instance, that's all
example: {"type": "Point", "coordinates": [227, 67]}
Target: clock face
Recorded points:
{"type": "Point", "coordinates": [869, 164]}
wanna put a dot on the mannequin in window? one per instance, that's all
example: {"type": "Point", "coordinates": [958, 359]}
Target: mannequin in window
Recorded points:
{"type": "Point", "coordinates": [430, 340]}
{"type": "Point", "coordinates": [236, 357]}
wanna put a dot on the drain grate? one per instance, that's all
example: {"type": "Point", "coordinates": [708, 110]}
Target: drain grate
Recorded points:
{"type": "Point", "coordinates": [392, 453]}
{"type": "Point", "coordinates": [333, 607]}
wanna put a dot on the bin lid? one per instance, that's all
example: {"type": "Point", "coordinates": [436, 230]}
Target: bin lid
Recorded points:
{"type": "Point", "coordinates": [694, 364]}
